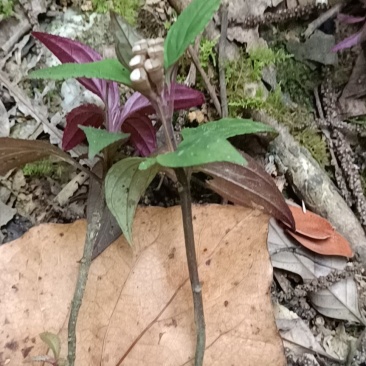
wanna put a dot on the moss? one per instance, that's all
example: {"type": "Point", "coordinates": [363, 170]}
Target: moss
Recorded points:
{"type": "Point", "coordinates": [207, 52]}
{"type": "Point", "coordinates": [6, 8]}
{"type": "Point", "coordinates": [44, 168]}
{"type": "Point", "coordinates": [297, 82]}
{"type": "Point", "coordinates": [127, 8]}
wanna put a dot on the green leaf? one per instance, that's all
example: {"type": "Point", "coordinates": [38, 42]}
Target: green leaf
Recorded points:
{"type": "Point", "coordinates": [124, 185]}
{"type": "Point", "coordinates": [53, 342]}
{"type": "Point", "coordinates": [109, 69]}
{"type": "Point", "coordinates": [190, 23]}
{"type": "Point", "coordinates": [99, 139]}
{"type": "Point", "coordinates": [207, 144]}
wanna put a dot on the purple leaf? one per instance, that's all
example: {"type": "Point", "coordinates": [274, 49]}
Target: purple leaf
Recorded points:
{"type": "Point", "coordinates": [350, 41]}
{"type": "Point", "coordinates": [86, 115]}
{"type": "Point", "coordinates": [70, 51]}
{"type": "Point", "coordinates": [186, 97]}
{"type": "Point", "coordinates": [142, 133]}
{"type": "Point", "coordinates": [350, 19]}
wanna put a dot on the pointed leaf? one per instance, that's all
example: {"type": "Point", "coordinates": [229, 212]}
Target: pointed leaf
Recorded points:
{"type": "Point", "coordinates": [348, 42]}
{"type": "Point", "coordinates": [53, 342]}
{"type": "Point", "coordinates": [125, 36]}
{"type": "Point", "coordinates": [190, 23]}
{"type": "Point", "coordinates": [99, 139]}
{"type": "Point", "coordinates": [184, 98]}
{"type": "Point", "coordinates": [109, 229]}
{"type": "Point", "coordinates": [349, 19]}
{"type": "Point", "coordinates": [143, 134]}
{"type": "Point", "coordinates": [86, 115]}
{"type": "Point", "coordinates": [109, 69]}
{"type": "Point", "coordinates": [207, 144]}
{"type": "Point", "coordinates": [310, 224]}
{"type": "Point", "coordinates": [336, 244]}
{"type": "Point", "coordinates": [124, 185]}
{"type": "Point", "coordinates": [14, 153]}
{"type": "Point", "coordinates": [68, 51]}
{"type": "Point", "coordinates": [248, 185]}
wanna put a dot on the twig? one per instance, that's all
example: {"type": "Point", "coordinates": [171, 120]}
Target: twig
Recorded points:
{"type": "Point", "coordinates": [322, 19]}
{"type": "Point", "coordinates": [222, 47]}
{"type": "Point", "coordinates": [186, 205]}
{"type": "Point", "coordinates": [91, 236]}
{"type": "Point", "coordinates": [205, 79]}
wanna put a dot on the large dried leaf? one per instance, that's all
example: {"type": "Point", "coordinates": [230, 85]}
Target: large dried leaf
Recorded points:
{"type": "Point", "coordinates": [339, 301]}
{"type": "Point", "coordinates": [141, 298]}
{"type": "Point", "coordinates": [15, 153]}
{"type": "Point", "coordinates": [248, 185]}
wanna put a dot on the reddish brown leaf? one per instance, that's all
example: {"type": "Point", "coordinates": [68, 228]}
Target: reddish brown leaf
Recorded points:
{"type": "Point", "coordinates": [248, 185]}
{"type": "Point", "coordinates": [15, 153]}
{"type": "Point", "coordinates": [85, 115]}
{"type": "Point", "coordinates": [336, 244]}
{"type": "Point", "coordinates": [311, 225]}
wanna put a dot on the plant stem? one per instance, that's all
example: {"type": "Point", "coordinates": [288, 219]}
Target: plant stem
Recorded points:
{"type": "Point", "coordinates": [222, 46]}
{"type": "Point", "coordinates": [91, 236]}
{"type": "Point", "coordinates": [199, 317]}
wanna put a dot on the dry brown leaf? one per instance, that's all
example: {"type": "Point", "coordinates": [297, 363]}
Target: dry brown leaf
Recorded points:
{"type": "Point", "coordinates": [334, 245]}
{"type": "Point", "coordinates": [143, 294]}
{"type": "Point", "coordinates": [310, 224]}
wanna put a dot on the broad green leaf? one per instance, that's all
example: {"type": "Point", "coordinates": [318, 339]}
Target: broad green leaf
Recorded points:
{"type": "Point", "coordinates": [109, 69]}
{"type": "Point", "coordinates": [190, 23]}
{"type": "Point", "coordinates": [124, 185]}
{"type": "Point", "coordinates": [226, 128]}
{"type": "Point", "coordinates": [53, 342]}
{"type": "Point", "coordinates": [207, 144]}
{"type": "Point", "coordinates": [99, 139]}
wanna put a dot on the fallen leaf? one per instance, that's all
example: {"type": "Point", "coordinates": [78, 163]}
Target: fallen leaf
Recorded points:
{"type": "Point", "coordinates": [310, 224]}
{"type": "Point", "coordinates": [138, 302]}
{"type": "Point", "coordinates": [339, 301]}
{"type": "Point", "coordinates": [334, 245]}
{"type": "Point", "coordinates": [296, 333]}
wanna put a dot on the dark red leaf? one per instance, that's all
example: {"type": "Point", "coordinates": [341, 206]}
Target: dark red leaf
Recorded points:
{"type": "Point", "coordinates": [85, 115]}
{"type": "Point", "coordinates": [248, 185]}
{"type": "Point", "coordinates": [184, 98]}
{"type": "Point", "coordinates": [68, 50]}
{"type": "Point", "coordinates": [336, 244]}
{"type": "Point", "coordinates": [142, 133]}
